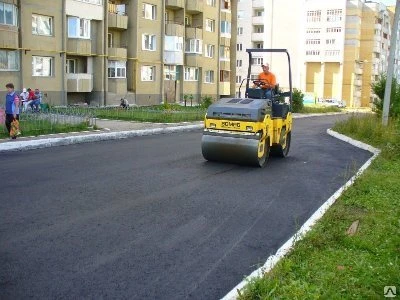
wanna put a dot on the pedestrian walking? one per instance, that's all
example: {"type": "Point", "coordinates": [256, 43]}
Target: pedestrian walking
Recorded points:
{"type": "Point", "coordinates": [12, 110]}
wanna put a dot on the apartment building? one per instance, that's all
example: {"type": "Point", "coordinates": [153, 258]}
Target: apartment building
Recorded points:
{"type": "Point", "coordinates": [97, 51]}
{"type": "Point", "coordinates": [270, 24]}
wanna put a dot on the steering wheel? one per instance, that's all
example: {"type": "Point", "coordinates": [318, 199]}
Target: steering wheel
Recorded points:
{"type": "Point", "coordinates": [259, 83]}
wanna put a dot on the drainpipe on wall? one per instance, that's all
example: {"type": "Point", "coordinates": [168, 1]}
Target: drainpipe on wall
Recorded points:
{"type": "Point", "coordinates": [63, 52]}
{"type": "Point", "coordinates": [162, 87]}
{"type": "Point", "coordinates": [105, 52]}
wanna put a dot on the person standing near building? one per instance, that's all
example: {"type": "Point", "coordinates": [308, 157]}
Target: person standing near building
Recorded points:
{"type": "Point", "coordinates": [24, 99]}
{"type": "Point", "coordinates": [12, 107]}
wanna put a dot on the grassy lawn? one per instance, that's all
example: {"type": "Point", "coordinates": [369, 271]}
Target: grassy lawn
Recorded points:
{"type": "Point", "coordinates": [328, 263]}
{"type": "Point", "coordinates": [319, 109]}
{"type": "Point", "coordinates": [38, 127]}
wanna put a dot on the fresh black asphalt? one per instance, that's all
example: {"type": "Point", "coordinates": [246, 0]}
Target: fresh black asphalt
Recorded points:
{"type": "Point", "coordinates": [148, 218]}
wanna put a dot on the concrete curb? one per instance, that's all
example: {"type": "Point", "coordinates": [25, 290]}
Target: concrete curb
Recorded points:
{"type": "Point", "coordinates": [106, 136]}
{"type": "Point", "coordinates": [307, 226]}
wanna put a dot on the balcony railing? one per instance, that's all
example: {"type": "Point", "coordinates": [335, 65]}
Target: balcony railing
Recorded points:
{"type": "Point", "coordinates": [79, 82]}
{"type": "Point", "coordinates": [118, 9]}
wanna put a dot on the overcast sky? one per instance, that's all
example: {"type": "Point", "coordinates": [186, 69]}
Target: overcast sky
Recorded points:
{"type": "Point", "coordinates": [389, 2]}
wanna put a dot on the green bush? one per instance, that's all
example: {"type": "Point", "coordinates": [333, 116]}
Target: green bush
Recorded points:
{"type": "Point", "coordinates": [298, 104]}
{"type": "Point", "coordinates": [379, 90]}
{"type": "Point", "coordinates": [206, 101]}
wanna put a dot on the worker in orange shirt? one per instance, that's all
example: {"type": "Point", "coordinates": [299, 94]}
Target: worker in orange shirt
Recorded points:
{"type": "Point", "coordinates": [267, 81]}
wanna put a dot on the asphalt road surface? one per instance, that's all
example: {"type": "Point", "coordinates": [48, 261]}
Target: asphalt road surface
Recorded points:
{"type": "Point", "coordinates": [148, 218]}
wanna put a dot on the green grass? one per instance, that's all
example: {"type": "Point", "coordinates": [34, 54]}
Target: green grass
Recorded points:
{"type": "Point", "coordinates": [319, 109]}
{"type": "Point", "coordinates": [39, 127]}
{"type": "Point", "coordinates": [329, 264]}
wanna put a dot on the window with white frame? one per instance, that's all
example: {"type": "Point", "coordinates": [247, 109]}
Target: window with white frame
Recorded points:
{"type": "Point", "coordinates": [238, 79]}
{"type": "Point", "coordinates": [191, 74]}
{"type": "Point", "coordinates": [259, 45]}
{"type": "Point", "coordinates": [333, 29]}
{"type": "Point", "coordinates": [149, 11]}
{"type": "Point", "coordinates": [330, 41]}
{"type": "Point", "coordinates": [239, 47]}
{"type": "Point", "coordinates": [169, 72]}
{"type": "Point", "coordinates": [8, 14]}
{"type": "Point", "coordinates": [209, 76]}
{"type": "Point", "coordinates": [313, 30]}
{"type": "Point", "coordinates": [194, 46]}
{"type": "Point", "coordinates": [209, 50]}
{"type": "Point", "coordinates": [70, 67]}
{"type": "Point", "coordinates": [334, 15]}
{"type": "Point", "coordinates": [240, 30]}
{"type": "Point", "coordinates": [258, 12]}
{"type": "Point", "coordinates": [239, 63]}
{"type": "Point", "coordinates": [314, 16]}
{"type": "Point", "coordinates": [210, 25]}
{"type": "Point", "coordinates": [78, 28]}
{"type": "Point", "coordinates": [149, 42]}
{"type": "Point", "coordinates": [148, 73]}
{"type": "Point", "coordinates": [259, 28]}
{"type": "Point", "coordinates": [313, 41]}
{"type": "Point", "coordinates": [173, 43]}
{"type": "Point", "coordinates": [312, 52]}
{"type": "Point", "coordinates": [224, 53]}
{"type": "Point", "coordinates": [42, 66]}
{"type": "Point", "coordinates": [116, 69]}
{"type": "Point", "coordinates": [42, 25]}
{"type": "Point", "coordinates": [225, 28]}
{"type": "Point", "coordinates": [332, 52]}
{"type": "Point", "coordinates": [211, 2]}
{"type": "Point", "coordinates": [9, 60]}
{"type": "Point", "coordinates": [257, 61]}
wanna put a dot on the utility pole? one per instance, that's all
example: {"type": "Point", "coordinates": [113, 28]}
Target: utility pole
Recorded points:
{"type": "Point", "coordinates": [389, 78]}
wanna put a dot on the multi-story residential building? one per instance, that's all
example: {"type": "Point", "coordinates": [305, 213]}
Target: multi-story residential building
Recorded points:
{"type": "Point", "coordinates": [98, 51]}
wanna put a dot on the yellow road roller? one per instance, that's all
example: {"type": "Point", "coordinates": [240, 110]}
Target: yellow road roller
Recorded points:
{"type": "Point", "coordinates": [247, 130]}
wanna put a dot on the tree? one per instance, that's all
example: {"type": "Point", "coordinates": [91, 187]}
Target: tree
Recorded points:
{"type": "Point", "coordinates": [298, 104]}
{"type": "Point", "coordinates": [378, 88]}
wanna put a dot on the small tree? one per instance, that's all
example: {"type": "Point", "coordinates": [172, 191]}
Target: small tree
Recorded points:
{"type": "Point", "coordinates": [298, 104]}
{"type": "Point", "coordinates": [206, 101]}
{"type": "Point", "coordinates": [378, 88]}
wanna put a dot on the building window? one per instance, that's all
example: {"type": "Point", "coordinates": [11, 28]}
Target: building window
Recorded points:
{"type": "Point", "coordinates": [314, 16]}
{"type": "Point", "coordinates": [209, 77]}
{"type": "Point", "coordinates": [97, 2]}
{"type": "Point", "coordinates": [148, 73]}
{"type": "Point", "coordinates": [194, 46]}
{"type": "Point", "coordinates": [225, 28]}
{"type": "Point", "coordinates": [334, 15]}
{"type": "Point", "coordinates": [78, 28]}
{"type": "Point", "coordinates": [116, 69]}
{"type": "Point", "coordinates": [149, 11]}
{"type": "Point", "coordinates": [42, 66]}
{"type": "Point", "coordinates": [226, 4]}
{"type": "Point", "coordinates": [239, 63]}
{"type": "Point", "coordinates": [42, 25]}
{"type": "Point", "coordinates": [110, 39]}
{"type": "Point", "coordinates": [70, 67]}
{"type": "Point", "coordinates": [333, 29]}
{"type": "Point", "coordinates": [224, 76]}
{"type": "Point", "coordinates": [240, 14]}
{"type": "Point", "coordinates": [211, 2]}
{"type": "Point", "coordinates": [9, 60]}
{"type": "Point", "coordinates": [257, 61]}
{"type": "Point", "coordinates": [191, 74]}
{"type": "Point", "coordinates": [332, 52]}
{"type": "Point", "coordinates": [385, 35]}
{"type": "Point", "coordinates": [210, 25]}
{"type": "Point", "coordinates": [313, 42]}
{"type": "Point", "coordinates": [188, 21]}
{"type": "Point", "coordinates": [8, 14]}
{"type": "Point", "coordinates": [330, 41]}
{"type": "Point", "coordinates": [240, 31]}
{"type": "Point", "coordinates": [224, 53]}
{"type": "Point", "coordinates": [312, 52]}
{"type": "Point", "coordinates": [259, 45]}
{"type": "Point", "coordinates": [149, 42]}
{"type": "Point", "coordinates": [313, 30]}
{"type": "Point", "coordinates": [169, 72]}
{"type": "Point", "coordinates": [259, 28]}
{"type": "Point", "coordinates": [210, 50]}
{"type": "Point", "coordinates": [239, 47]}
{"type": "Point", "coordinates": [258, 12]}
{"type": "Point", "coordinates": [238, 79]}
{"type": "Point", "coordinates": [173, 43]}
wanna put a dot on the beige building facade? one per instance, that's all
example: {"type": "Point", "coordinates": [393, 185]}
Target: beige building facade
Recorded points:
{"type": "Point", "coordinates": [99, 51]}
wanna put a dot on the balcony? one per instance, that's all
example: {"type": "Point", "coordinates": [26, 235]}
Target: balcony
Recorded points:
{"type": "Point", "coordinates": [173, 57]}
{"type": "Point", "coordinates": [378, 26]}
{"type": "Point", "coordinates": [257, 37]}
{"type": "Point", "coordinates": [193, 60]}
{"type": "Point", "coordinates": [194, 33]}
{"type": "Point", "coordinates": [258, 4]}
{"type": "Point", "coordinates": [174, 29]}
{"type": "Point", "coordinates": [224, 64]}
{"type": "Point", "coordinates": [225, 41]}
{"type": "Point", "coordinates": [377, 49]}
{"type": "Point", "coordinates": [79, 83]}
{"type": "Point", "coordinates": [226, 15]}
{"type": "Point", "coordinates": [194, 7]}
{"type": "Point", "coordinates": [224, 88]}
{"type": "Point", "coordinates": [117, 85]}
{"type": "Point", "coordinates": [358, 82]}
{"type": "Point", "coordinates": [117, 21]}
{"type": "Point", "coordinates": [358, 71]}
{"type": "Point", "coordinates": [81, 47]}
{"type": "Point", "coordinates": [258, 20]}
{"type": "Point", "coordinates": [117, 53]}
{"type": "Point", "coordinates": [174, 4]}
{"type": "Point", "coordinates": [9, 37]}
{"type": "Point", "coordinates": [357, 94]}
{"type": "Point", "coordinates": [377, 38]}
{"type": "Point", "coordinates": [91, 10]}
